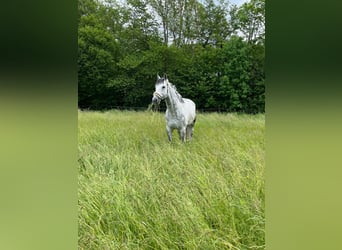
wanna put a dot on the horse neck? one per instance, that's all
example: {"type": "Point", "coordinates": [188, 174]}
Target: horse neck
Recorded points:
{"type": "Point", "coordinates": [172, 102]}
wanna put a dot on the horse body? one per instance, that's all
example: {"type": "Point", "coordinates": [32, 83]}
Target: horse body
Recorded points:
{"type": "Point", "coordinates": [180, 113]}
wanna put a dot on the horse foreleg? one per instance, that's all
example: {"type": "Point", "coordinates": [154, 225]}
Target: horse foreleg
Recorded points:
{"type": "Point", "coordinates": [189, 131]}
{"type": "Point", "coordinates": [183, 134]}
{"type": "Point", "coordinates": [169, 133]}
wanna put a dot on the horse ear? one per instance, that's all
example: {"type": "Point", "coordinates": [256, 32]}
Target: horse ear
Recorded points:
{"type": "Point", "coordinates": [165, 76]}
{"type": "Point", "coordinates": [158, 77]}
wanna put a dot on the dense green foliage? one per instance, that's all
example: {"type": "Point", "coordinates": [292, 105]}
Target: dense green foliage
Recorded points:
{"type": "Point", "coordinates": [213, 52]}
{"type": "Point", "coordinates": [137, 191]}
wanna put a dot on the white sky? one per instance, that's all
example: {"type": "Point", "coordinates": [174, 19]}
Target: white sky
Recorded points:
{"type": "Point", "coordinates": [237, 2]}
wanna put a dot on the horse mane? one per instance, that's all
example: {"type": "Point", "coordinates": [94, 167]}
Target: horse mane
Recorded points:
{"type": "Point", "coordinates": [177, 93]}
{"type": "Point", "coordinates": [179, 96]}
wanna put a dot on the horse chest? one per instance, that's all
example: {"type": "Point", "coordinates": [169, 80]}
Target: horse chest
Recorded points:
{"type": "Point", "coordinates": [175, 122]}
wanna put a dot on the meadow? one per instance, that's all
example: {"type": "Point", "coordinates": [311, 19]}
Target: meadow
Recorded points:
{"type": "Point", "coordinates": [138, 191]}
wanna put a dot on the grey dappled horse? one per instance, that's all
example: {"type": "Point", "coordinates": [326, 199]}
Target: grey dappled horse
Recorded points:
{"type": "Point", "coordinates": [180, 113]}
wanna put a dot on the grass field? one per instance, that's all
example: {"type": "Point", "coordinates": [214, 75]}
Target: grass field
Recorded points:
{"type": "Point", "coordinates": [137, 191]}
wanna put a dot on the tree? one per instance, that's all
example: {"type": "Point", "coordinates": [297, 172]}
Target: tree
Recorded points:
{"type": "Point", "coordinates": [141, 26]}
{"type": "Point", "coordinates": [162, 8]}
{"type": "Point", "coordinates": [121, 48]}
{"type": "Point", "coordinates": [234, 83]}
{"type": "Point", "coordinates": [97, 53]}
{"type": "Point", "coordinates": [249, 19]}
{"type": "Point", "coordinates": [182, 21]}
{"type": "Point", "coordinates": [213, 24]}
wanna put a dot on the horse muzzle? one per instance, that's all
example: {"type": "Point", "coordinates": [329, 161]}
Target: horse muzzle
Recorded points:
{"type": "Point", "coordinates": [156, 98]}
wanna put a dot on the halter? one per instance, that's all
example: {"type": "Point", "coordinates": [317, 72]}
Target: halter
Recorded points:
{"type": "Point", "coordinates": [159, 96]}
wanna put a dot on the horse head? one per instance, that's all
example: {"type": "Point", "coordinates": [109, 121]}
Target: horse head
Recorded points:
{"type": "Point", "coordinates": [161, 89]}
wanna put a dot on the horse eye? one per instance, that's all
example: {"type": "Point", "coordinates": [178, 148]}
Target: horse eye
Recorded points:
{"type": "Point", "coordinates": [163, 87]}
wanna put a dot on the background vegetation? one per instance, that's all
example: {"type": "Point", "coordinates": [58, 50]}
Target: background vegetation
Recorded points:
{"type": "Point", "coordinates": [211, 50]}
{"type": "Point", "coordinates": [137, 191]}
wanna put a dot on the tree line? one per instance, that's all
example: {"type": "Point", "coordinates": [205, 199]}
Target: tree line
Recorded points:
{"type": "Point", "coordinates": [212, 51]}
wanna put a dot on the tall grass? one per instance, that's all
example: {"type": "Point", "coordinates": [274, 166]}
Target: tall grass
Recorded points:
{"type": "Point", "coordinates": [137, 191]}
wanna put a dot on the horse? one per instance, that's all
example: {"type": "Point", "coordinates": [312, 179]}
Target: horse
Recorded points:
{"type": "Point", "coordinates": [180, 112]}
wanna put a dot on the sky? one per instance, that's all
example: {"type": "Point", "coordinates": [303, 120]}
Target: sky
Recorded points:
{"type": "Point", "coordinates": [237, 2]}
